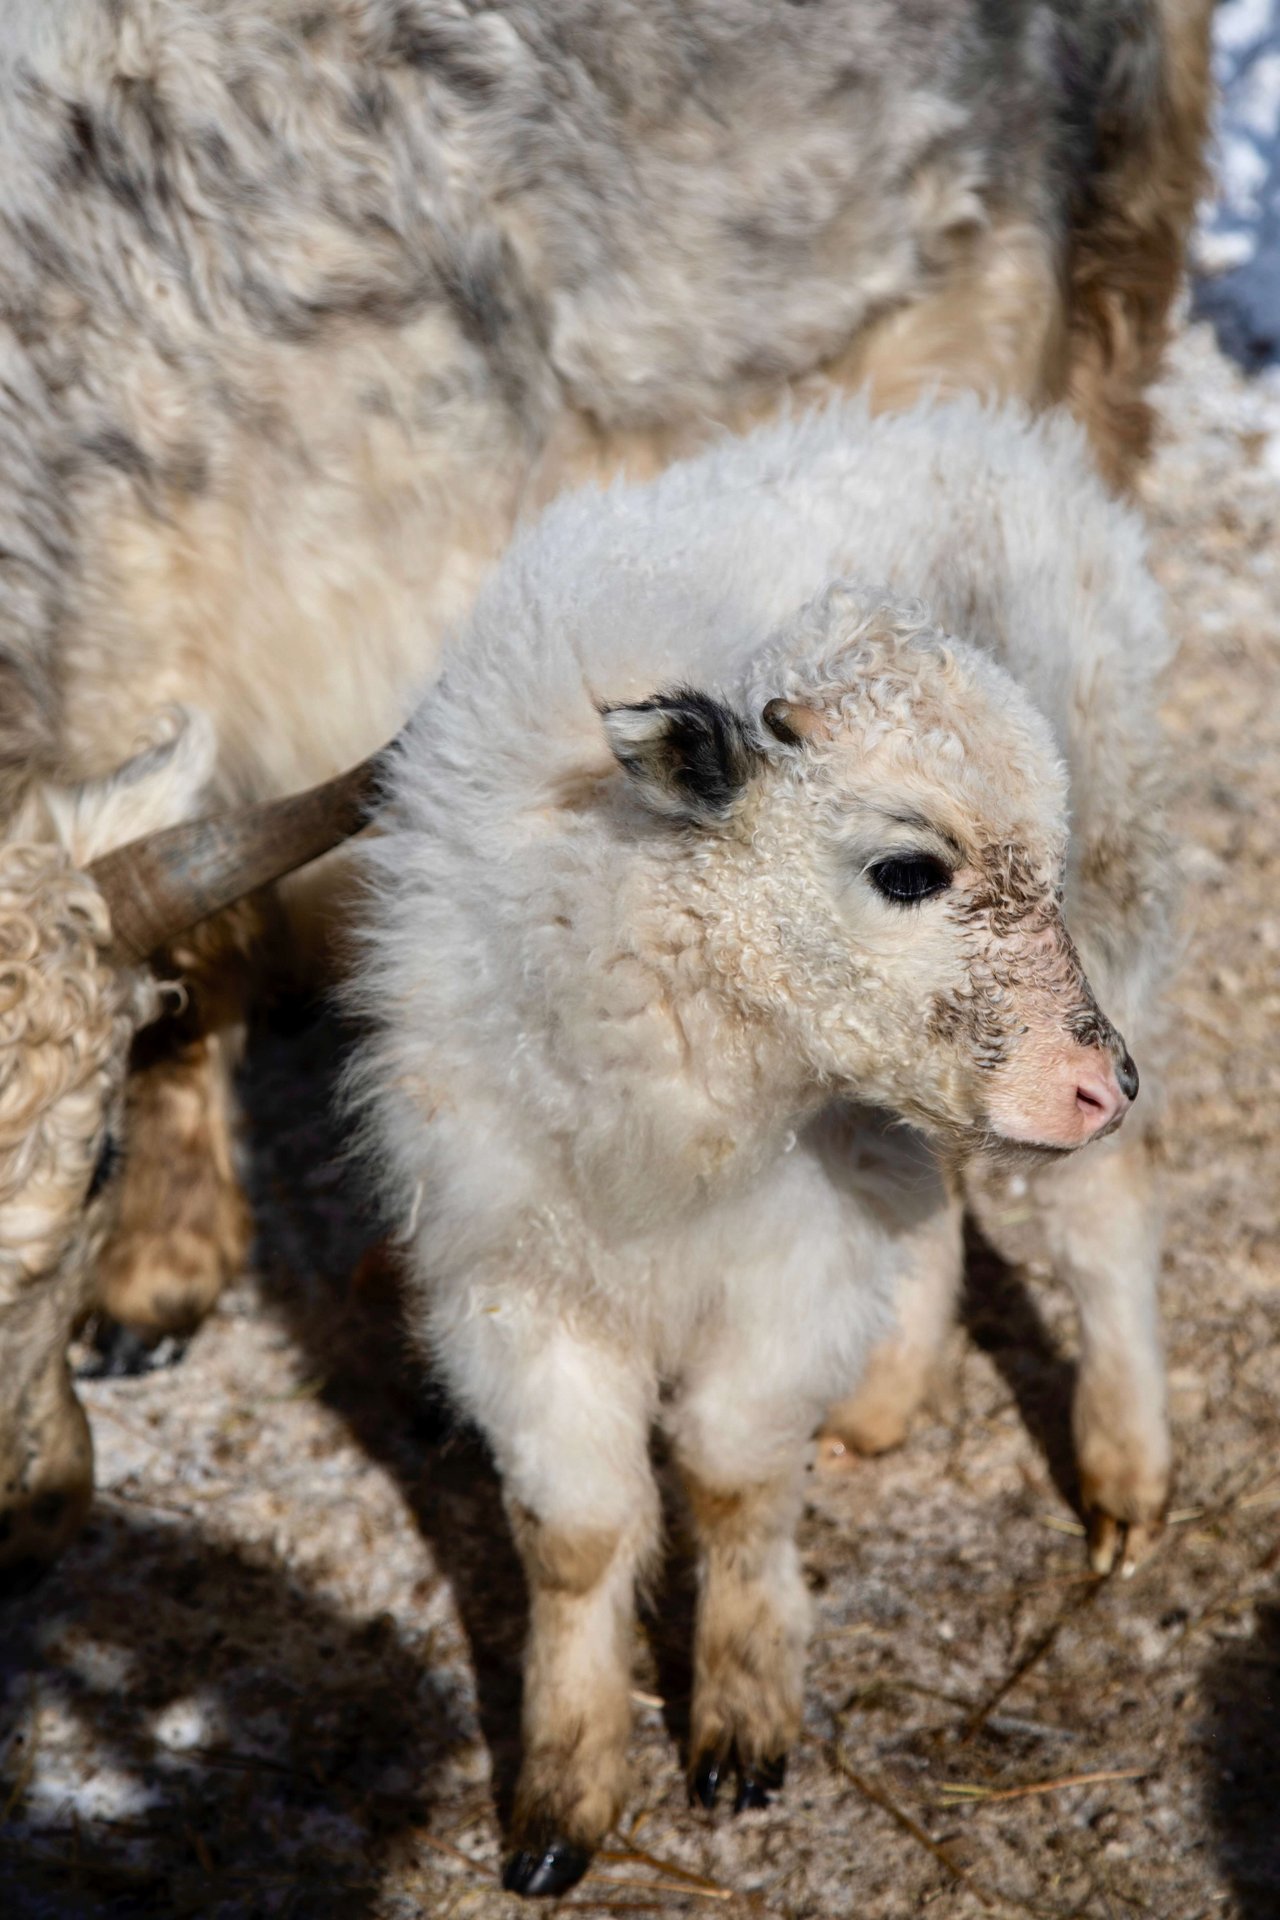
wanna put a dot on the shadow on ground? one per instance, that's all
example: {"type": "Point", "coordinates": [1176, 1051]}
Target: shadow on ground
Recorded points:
{"type": "Point", "coordinates": [1001, 1317]}
{"type": "Point", "coordinates": [1241, 1739]}
{"type": "Point", "coordinates": [255, 1753]}
{"type": "Point", "coordinates": [323, 1269]}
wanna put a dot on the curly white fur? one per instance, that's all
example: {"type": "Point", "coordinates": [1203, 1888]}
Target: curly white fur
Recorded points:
{"type": "Point", "coordinates": [67, 1018]}
{"type": "Point", "coordinates": [68, 1015]}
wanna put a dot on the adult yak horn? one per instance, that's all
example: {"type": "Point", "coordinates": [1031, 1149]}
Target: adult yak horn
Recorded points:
{"type": "Point", "coordinates": [157, 887]}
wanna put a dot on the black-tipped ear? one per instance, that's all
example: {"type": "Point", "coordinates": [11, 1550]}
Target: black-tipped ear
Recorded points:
{"type": "Point", "coordinates": [690, 755]}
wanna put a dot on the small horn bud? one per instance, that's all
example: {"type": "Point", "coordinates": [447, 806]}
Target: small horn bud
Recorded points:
{"type": "Point", "coordinates": [794, 725]}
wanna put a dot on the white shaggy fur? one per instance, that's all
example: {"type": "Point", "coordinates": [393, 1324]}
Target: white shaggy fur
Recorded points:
{"type": "Point", "coordinates": [638, 1040]}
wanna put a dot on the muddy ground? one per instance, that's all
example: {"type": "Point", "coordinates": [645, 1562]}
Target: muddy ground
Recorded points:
{"type": "Point", "coordinates": [279, 1673]}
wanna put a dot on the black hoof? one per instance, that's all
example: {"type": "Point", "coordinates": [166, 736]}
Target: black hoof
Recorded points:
{"type": "Point", "coordinates": [704, 1780]}
{"type": "Point", "coordinates": [759, 1782]}
{"type": "Point", "coordinates": [122, 1354]}
{"type": "Point", "coordinates": [543, 1872]}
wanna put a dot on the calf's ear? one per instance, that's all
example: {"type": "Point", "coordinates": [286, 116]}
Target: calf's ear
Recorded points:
{"type": "Point", "coordinates": [689, 756]}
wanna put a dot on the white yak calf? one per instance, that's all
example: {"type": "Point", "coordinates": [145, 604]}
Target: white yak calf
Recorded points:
{"type": "Point", "coordinates": [734, 836]}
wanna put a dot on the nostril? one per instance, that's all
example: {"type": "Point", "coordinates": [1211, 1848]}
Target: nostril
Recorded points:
{"type": "Point", "coordinates": [1127, 1075]}
{"type": "Point", "coordinates": [1098, 1101]}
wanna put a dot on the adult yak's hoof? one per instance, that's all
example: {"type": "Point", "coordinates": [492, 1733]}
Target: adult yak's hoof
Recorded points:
{"type": "Point", "coordinates": [122, 1353]}
{"type": "Point", "coordinates": [543, 1872]}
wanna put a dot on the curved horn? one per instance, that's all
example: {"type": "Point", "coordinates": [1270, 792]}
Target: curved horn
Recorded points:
{"type": "Point", "coordinates": [157, 887]}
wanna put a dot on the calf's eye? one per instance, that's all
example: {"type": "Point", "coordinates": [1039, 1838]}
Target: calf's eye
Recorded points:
{"type": "Point", "coordinates": [909, 876]}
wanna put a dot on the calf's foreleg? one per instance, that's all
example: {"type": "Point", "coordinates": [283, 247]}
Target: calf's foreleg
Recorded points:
{"type": "Point", "coordinates": [46, 1453]}
{"type": "Point", "coordinates": [740, 1452]}
{"type": "Point", "coordinates": [569, 1425]}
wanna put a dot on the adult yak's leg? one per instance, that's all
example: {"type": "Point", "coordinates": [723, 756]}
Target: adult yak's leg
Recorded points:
{"type": "Point", "coordinates": [183, 1227]}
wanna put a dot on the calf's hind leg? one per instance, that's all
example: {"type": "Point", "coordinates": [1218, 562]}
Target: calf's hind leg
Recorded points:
{"type": "Point", "coordinates": [896, 1379]}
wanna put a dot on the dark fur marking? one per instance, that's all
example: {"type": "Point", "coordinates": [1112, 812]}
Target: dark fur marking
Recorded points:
{"type": "Point", "coordinates": [96, 156]}
{"type": "Point", "coordinates": [970, 1020]}
{"type": "Point", "coordinates": [305, 317]}
{"type": "Point", "coordinates": [1011, 896]}
{"type": "Point", "coordinates": [113, 447]}
{"type": "Point", "coordinates": [706, 752]}
{"type": "Point", "coordinates": [1010, 904]}
{"type": "Point", "coordinates": [216, 149]}
{"type": "Point", "coordinates": [437, 49]}
{"type": "Point", "coordinates": [1090, 1027]}
{"type": "Point", "coordinates": [368, 105]}
{"type": "Point", "coordinates": [472, 288]}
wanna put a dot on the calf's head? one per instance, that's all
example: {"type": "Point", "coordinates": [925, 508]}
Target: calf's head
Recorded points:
{"type": "Point", "coordinates": [872, 832]}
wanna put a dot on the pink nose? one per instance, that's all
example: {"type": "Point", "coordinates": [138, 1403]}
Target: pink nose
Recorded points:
{"type": "Point", "coordinates": [1105, 1095]}
{"type": "Point", "coordinates": [1099, 1100]}
{"type": "Point", "coordinates": [1061, 1096]}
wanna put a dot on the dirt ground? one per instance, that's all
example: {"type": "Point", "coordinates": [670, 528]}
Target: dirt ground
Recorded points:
{"type": "Point", "coordinates": [279, 1673]}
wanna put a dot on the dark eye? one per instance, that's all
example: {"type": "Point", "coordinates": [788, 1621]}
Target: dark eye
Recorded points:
{"type": "Point", "coordinates": [912, 876]}
{"type": "Point", "coordinates": [108, 1162]}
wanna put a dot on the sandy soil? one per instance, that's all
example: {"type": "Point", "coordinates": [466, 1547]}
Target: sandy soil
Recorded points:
{"type": "Point", "coordinates": [279, 1674]}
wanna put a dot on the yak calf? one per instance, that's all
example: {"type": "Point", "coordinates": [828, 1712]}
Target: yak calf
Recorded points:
{"type": "Point", "coordinates": [720, 918]}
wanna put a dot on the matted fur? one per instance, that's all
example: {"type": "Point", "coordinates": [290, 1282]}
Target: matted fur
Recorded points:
{"type": "Point", "coordinates": [67, 1017]}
